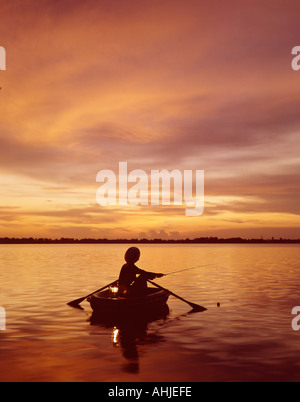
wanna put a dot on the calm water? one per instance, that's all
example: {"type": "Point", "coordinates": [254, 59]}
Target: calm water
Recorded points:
{"type": "Point", "coordinates": [248, 338]}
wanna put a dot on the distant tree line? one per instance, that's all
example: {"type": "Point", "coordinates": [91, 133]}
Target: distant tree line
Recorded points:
{"type": "Point", "coordinates": [198, 240]}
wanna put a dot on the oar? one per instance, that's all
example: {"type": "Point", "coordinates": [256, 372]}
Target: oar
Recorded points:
{"type": "Point", "coordinates": [194, 306]}
{"type": "Point", "coordinates": [75, 303]}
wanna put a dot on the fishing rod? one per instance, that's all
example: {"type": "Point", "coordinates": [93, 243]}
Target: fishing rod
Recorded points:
{"type": "Point", "coordinates": [186, 269]}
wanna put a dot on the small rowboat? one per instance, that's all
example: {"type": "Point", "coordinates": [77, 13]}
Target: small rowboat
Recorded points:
{"type": "Point", "coordinates": [104, 302]}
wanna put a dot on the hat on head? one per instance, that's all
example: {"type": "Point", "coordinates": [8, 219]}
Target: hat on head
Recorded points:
{"type": "Point", "coordinates": [132, 254]}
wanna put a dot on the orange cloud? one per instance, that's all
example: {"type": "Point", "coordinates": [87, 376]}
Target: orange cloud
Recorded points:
{"type": "Point", "coordinates": [169, 84]}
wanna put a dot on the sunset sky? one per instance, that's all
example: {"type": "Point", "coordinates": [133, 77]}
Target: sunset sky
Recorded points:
{"type": "Point", "coordinates": [161, 84]}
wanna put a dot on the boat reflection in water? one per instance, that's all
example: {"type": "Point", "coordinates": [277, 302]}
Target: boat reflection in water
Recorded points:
{"type": "Point", "coordinates": [130, 331]}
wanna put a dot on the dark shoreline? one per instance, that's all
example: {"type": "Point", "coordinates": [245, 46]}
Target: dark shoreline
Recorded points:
{"type": "Point", "coordinates": [201, 240]}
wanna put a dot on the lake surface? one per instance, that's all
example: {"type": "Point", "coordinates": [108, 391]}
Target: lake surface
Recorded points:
{"type": "Point", "coordinates": [248, 338]}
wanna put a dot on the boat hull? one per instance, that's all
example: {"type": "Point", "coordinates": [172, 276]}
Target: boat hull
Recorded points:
{"type": "Point", "coordinates": [155, 299]}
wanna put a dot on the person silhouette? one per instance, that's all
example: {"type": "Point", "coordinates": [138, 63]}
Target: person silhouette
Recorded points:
{"type": "Point", "coordinates": [133, 280]}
